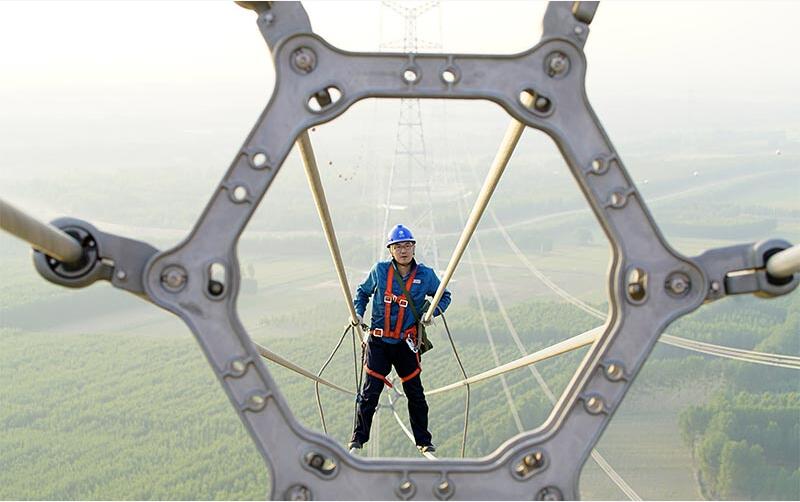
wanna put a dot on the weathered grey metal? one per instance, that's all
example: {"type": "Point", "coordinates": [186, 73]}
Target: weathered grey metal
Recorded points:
{"type": "Point", "coordinates": [41, 236]}
{"type": "Point", "coordinates": [649, 284]}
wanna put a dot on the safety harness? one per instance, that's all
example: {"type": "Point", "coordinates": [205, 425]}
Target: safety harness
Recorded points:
{"type": "Point", "coordinates": [387, 332]}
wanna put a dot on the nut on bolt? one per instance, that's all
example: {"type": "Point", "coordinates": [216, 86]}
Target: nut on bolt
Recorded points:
{"type": "Point", "coordinates": [173, 278]}
{"type": "Point", "coordinates": [557, 64]}
{"type": "Point", "coordinates": [406, 488]}
{"type": "Point", "coordinates": [298, 492]}
{"type": "Point", "coordinates": [304, 60]}
{"type": "Point", "coordinates": [678, 283]}
{"type": "Point", "coordinates": [549, 493]}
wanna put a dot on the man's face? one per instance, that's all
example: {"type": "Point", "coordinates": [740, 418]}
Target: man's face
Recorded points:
{"type": "Point", "coordinates": [402, 252]}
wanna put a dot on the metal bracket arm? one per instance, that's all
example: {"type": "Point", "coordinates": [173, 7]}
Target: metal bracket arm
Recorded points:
{"type": "Point", "coordinates": [279, 20]}
{"type": "Point", "coordinates": [105, 256]}
{"type": "Point", "coordinates": [741, 269]}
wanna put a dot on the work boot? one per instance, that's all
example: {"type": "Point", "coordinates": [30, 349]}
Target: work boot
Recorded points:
{"type": "Point", "coordinates": [426, 448]}
{"type": "Point", "coordinates": [355, 445]}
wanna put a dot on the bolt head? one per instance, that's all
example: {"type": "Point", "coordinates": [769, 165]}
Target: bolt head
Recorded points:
{"type": "Point", "coordinates": [678, 283]}
{"type": "Point", "coordinates": [615, 371]}
{"type": "Point", "coordinates": [594, 405]}
{"type": "Point", "coordinates": [173, 278]}
{"type": "Point", "coordinates": [542, 104]}
{"type": "Point", "coordinates": [298, 492]}
{"type": "Point", "coordinates": [304, 60]}
{"type": "Point", "coordinates": [557, 63]}
{"type": "Point", "coordinates": [549, 493]}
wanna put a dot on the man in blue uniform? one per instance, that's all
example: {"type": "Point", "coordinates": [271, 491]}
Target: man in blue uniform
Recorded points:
{"type": "Point", "coordinates": [393, 334]}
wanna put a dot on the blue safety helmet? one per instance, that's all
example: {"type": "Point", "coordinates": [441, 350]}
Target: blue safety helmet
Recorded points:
{"type": "Point", "coordinates": [399, 234]}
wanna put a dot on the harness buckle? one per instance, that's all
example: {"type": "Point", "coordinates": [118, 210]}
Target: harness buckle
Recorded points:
{"type": "Point", "coordinates": [387, 299]}
{"type": "Point", "coordinates": [403, 302]}
{"type": "Point", "coordinates": [377, 332]}
{"type": "Point", "coordinates": [412, 345]}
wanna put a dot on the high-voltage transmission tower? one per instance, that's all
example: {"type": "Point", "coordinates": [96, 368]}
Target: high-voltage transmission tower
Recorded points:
{"type": "Point", "coordinates": [410, 154]}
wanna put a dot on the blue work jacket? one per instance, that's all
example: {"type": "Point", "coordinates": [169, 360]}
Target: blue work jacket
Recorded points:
{"type": "Point", "coordinates": [425, 284]}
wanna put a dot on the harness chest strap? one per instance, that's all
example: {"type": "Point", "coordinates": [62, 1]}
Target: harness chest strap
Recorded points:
{"type": "Point", "coordinates": [389, 297]}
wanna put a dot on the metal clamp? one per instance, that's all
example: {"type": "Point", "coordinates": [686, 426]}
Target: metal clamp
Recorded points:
{"type": "Point", "coordinates": [105, 256]}
{"type": "Point", "coordinates": [742, 269]}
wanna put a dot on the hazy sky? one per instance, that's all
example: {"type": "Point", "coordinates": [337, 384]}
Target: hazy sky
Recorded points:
{"type": "Point", "coordinates": [753, 44]}
{"type": "Point", "coordinates": [132, 67]}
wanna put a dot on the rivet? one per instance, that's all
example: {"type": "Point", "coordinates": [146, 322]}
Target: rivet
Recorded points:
{"type": "Point", "coordinates": [121, 275]}
{"type": "Point", "coordinates": [594, 405]}
{"type": "Point", "coordinates": [257, 401]}
{"type": "Point", "coordinates": [715, 287]}
{"type": "Point", "coordinates": [598, 166]}
{"type": "Point", "coordinates": [298, 492]}
{"type": "Point", "coordinates": [542, 104]}
{"type": "Point", "coordinates": [615, 371]}
{"type": "Point", "coordinates": [636, 285]}
{"type": "Point", "coordinates": [617, 199]}
{"type": "Point", "coordinates": [578, 30]}
{"type": "Point", "coordinates": [549, 493]}
{"type": "Point", "coordinates": [238, 366]}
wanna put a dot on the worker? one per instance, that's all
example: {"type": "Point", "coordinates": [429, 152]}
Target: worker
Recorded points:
{"type": "Point", "coordinates": [393, 334]}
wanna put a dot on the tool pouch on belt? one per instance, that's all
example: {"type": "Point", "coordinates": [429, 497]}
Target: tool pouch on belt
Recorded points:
{"type": "Point", "coordinates": [423, 342]}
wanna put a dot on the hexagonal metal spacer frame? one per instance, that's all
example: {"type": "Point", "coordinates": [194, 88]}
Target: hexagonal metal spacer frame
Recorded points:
{"type": "Point", "coordinates": [584, 409]}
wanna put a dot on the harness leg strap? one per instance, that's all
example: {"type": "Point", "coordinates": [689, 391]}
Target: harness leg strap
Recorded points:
{"type": "Point", "coordinates": [378, 376]}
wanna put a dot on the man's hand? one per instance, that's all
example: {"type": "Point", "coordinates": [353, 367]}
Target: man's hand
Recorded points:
{"type": "Point", "coordinates": [427, 321]}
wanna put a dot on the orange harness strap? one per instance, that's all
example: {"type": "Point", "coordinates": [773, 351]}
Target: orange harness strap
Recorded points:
{"type": "Point", "coordinates": [377, 375]}
{"type": "Point", "coordinates": [389, 297]}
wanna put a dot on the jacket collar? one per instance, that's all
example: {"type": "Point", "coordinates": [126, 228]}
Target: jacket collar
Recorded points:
{"type": "Point", "coordinates": [413, 264]}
